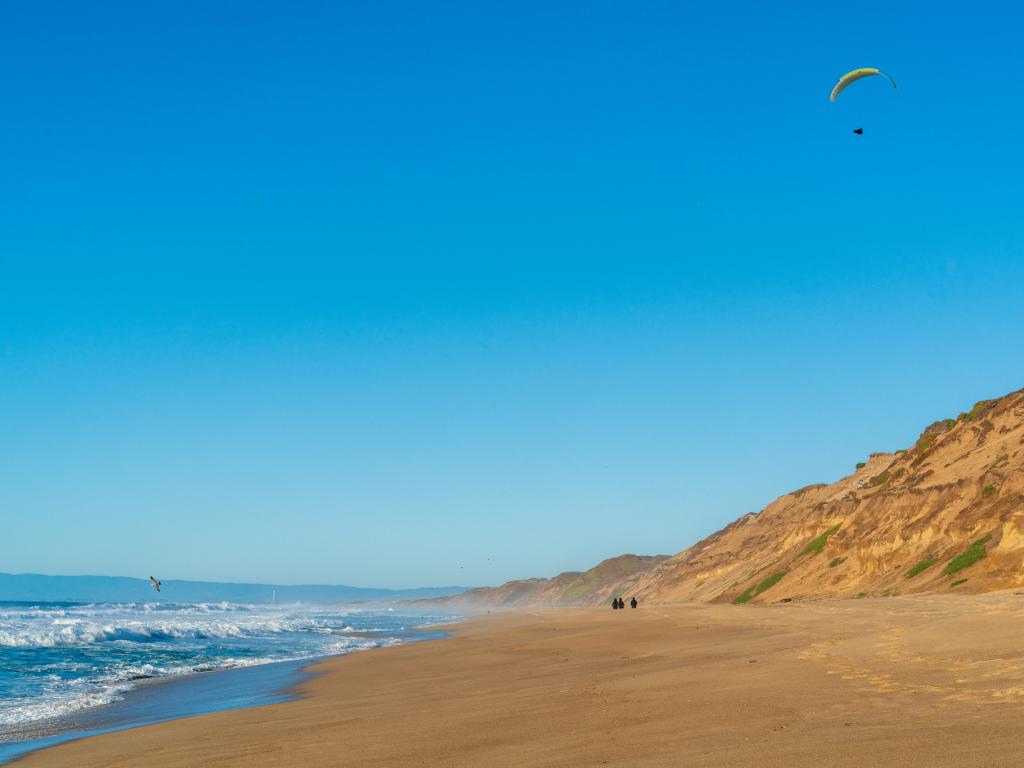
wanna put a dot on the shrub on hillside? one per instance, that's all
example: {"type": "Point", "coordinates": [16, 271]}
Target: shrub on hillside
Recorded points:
{"type": "Point", "coordinates": [922, 566]}
{"type": "Point", "coordinates": [751, 592]}
{"type": "Point", "coordinates": [817, 544]}
{"type": "Point", "coordinates": [981, 409]}
{"type": "Point", "coordinates": [968, 557]}
{"type": "Point", "coordinates": [881, 479]}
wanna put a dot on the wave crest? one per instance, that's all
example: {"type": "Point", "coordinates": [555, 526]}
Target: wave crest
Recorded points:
{"type": "Point", "coordinates": [70, 632]}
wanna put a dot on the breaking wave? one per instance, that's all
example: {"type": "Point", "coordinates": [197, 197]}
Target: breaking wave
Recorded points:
{"type": "Point", "coordinates": [58, 659]}
{"type": "Point", "coordinates": [74, 631]}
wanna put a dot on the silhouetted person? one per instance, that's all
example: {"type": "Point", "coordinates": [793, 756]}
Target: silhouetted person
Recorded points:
{"type": "Point", "coordinates": [615, 603]}
{"type": "Point", "coordinates": [622, 603]}
{"type": "Point", "coordinates": [632, 603]}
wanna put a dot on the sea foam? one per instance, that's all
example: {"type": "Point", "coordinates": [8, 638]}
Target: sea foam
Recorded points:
{"type": "Point", "coordinates": [58, 659]}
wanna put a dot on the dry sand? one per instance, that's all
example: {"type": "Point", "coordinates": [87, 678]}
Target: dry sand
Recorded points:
{"type": "Point", "coordinates": [917, 681]}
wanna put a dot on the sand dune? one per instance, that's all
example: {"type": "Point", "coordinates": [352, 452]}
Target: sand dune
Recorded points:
{"type": "Point", "coordinates": [918, 681]}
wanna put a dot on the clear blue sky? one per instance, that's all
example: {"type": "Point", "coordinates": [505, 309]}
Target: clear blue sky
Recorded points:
{"type": "Point", "coordinates": [372, 294]}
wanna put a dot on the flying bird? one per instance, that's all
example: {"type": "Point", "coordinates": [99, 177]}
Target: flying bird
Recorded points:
{"type": "Point", "coordinates": [859, 131]}
{"type": "Point", "coordinates": [154, 583]}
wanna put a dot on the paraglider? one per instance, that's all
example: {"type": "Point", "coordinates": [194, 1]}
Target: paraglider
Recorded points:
{"type": "Point", "coordinates": [855, 75]}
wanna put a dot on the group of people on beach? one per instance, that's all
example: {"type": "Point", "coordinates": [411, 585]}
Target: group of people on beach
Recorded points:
{"type": "Point", "coordinates": [617, 602]}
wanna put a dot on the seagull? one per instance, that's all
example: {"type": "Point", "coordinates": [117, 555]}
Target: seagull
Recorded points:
{"type": "Point", "coordinates": [154, 583]}
{"type": "Point", "coordinates": [859, 131]}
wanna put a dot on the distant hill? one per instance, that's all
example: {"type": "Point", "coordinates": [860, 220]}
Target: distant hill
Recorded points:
{"type": "Point", "coordinates": [610, 578]}
{"type": "Point", "coordinates": [34, 586]}
{"type": "Point", "coordinates": [945, 514]}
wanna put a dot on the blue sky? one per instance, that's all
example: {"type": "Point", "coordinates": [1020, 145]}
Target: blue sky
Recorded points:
{"type": "Point", "coordinates": [455, 293]}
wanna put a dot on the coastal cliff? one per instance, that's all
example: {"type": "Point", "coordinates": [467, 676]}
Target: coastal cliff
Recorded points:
{"type": "Point", "coordinates": [944, 514]}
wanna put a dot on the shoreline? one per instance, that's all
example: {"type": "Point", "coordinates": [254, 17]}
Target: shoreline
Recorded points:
{"type": "Point", "coordinates": [164, 699]}
{"type": "Point", "coordinates": [926, 680]}
{"type": "Point", "coordinates": [157, 700]}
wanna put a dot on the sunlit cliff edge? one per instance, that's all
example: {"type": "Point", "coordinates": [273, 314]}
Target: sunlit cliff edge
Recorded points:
{"type": "Point", "coordinates": [945, 514]}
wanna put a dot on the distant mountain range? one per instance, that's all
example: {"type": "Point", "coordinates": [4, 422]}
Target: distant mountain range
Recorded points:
{"type": "Point", "coordinates": [35, 586]}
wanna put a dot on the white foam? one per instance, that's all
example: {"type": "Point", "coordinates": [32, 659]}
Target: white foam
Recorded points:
{"type": "Point", "coordinates": [65, 699]}
{"type": "Point", "coordinates": [56, 705]}
{"type": "Point", "coordinates": [76, 631]}
{"type": "Point", "coordinates": [82, 656]}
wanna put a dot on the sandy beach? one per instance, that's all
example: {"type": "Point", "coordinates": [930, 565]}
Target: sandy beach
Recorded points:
{"type": "Point", "coordinates": [916, 681]}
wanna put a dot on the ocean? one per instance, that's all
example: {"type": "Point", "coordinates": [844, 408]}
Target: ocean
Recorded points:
{"type": "Point", "coordinates": [70, 668]}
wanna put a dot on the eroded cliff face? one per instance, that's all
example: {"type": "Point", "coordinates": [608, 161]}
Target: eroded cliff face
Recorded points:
{"type": "Point", "coordinates": [947, 513]}
{"type": "Point", "coordinates": [949, 509]}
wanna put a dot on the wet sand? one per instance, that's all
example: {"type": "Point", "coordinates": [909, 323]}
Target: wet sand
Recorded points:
{"type": "Point", "coordinates": [916, 681]}
{"type": "Point", "coordinates": [160, 699]}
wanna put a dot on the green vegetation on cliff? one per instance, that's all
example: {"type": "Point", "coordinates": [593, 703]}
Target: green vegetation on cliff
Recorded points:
{"type": "Point", "coordinates": [922, 566]}
{"type": "Point", "coordinates": [817, 544]}
{"type": "Point", "coordinates": [968, 557]}
{"type": "Point", "coordinates": [751, 592]}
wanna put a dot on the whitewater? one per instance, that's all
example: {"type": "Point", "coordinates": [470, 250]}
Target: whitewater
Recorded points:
{"type": "Point", "coordinates": [58, 659]}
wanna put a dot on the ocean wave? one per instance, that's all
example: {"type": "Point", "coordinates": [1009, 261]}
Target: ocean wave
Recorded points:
{"type": "Point", "coordinates": [61, 706]}
{"type": "Point", "coordinates": [110, 615]}
{"type": "Point", "coordinates": [76, 631]}
{"type": "Point", "coordinates": [68, 698]}
{"type": "Point", "coordinates": [74, 656]}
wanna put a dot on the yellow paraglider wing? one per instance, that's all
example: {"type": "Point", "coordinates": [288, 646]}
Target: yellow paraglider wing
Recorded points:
{"type": "Point", "coordinates": [855, 75]}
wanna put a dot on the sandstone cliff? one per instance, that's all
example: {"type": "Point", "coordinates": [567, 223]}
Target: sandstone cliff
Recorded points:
{"type": "Point", "coordinates": [947, 513]}
{"type": "Point", "coordinates": [944, 514]}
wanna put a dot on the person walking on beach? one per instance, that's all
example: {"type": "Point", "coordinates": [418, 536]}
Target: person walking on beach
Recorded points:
{"type": "Point", "coordinates": [615, 603]}
{"type": "Point", "coordinates": [622, 603]}
{"type": "Point", "coordinates": [632, 603]}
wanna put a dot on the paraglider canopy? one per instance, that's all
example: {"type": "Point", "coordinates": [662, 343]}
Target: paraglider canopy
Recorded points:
{"type": "Point", "coordinates": [855, 75]}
